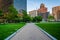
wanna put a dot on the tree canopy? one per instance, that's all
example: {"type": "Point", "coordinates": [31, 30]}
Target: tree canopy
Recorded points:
{"type": "Point", "coordinates": [12, 12]}
{"type": "Point", "coordinates": [1, 13]}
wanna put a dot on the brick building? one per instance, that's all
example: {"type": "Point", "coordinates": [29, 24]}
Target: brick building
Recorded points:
{"type": "Point", "coordinates": [4, 4]}
{"type": "Point", "coordinates": [56, 13]}
{"type": "Point", "coordinates": [42, 11]}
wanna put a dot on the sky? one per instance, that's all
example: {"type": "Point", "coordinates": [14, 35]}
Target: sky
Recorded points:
{"type": "Point", "coordinates": [35, 4]}
{"type": "Point", "coordinates": [20, 4]}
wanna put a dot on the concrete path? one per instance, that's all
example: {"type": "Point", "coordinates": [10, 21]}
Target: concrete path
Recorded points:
{"type": "Point", "coordinates": [30, 32]}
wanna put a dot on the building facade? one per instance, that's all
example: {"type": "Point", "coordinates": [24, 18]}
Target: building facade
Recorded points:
{"type": "Point", "coordinates": [56, 13]}
{"type": "Point", "coordinates": [42, 11]}
{"type": "Point", "coordinates": [33, 13]}
{"type": "Point", "coordinates": [4, 4]}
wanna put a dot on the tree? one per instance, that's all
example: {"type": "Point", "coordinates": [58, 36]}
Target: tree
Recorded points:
{"type": "Point", "coordinates": [26, 18]}
{"type": "Point", "coordinates": [2, 20]}
{"type": "Point", "coordinates": [50, 17]}
{"type": "Point", "coordinates": [12, 13]}
{"type": "Point", "coordinates": [24, 13]}
{"type": "Point", "coordinates": [37, 19]}
{"type": "Point", "coordinates": [1, 13]}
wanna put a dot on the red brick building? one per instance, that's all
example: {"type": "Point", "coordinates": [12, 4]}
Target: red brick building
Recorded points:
{"type": "Point", "coordinates": [4, 4]}
{"type": "Point", "coordinates": [42, 8]}
{"type": "Point", "coordinates": [42, 11]}
{"type": "Point", "coordinates": [56, 13]}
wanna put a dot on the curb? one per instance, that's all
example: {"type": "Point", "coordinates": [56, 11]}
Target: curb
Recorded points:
{"type": "Point", "coordinates": [12, 35]}
{"type": "Point", "coordinates": [50, 36]}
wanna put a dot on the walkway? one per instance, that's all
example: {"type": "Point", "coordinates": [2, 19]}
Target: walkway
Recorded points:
{"type": "Point", "coordinates": [30, 32]}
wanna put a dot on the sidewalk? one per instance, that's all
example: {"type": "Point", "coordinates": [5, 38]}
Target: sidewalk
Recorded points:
{"type": "Point", "coordinates": [30, 32]}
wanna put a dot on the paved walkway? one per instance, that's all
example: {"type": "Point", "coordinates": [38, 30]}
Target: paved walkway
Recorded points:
{"type": "Point", "coordinates": [30, 32]}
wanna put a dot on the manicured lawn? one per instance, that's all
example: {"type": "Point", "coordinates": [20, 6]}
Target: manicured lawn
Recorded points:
{"type": "Point", "coordinates": [8, 29]}
{"type": "Point", "coordinates": [52, 28]}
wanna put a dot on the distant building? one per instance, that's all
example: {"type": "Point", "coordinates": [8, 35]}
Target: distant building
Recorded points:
{"type": "Point", "coordinates": [42, 11]}
{"type": "Point", "coordinates": [4, 4]}
{"type": "Point", "coordinates": [33, 13]}
{"type": "Point", "coordinates": [20, 14]}
{"type": "Point", "coordinates": [56, 13]}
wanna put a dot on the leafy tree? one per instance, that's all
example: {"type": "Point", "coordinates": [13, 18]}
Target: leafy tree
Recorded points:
{"type": "Point", "coordinates": [13, 10]}
{"type": "Point", "coordinates": [2, 20]}
{"type": "Point", "coordinates": [1, 13]}
{"type": "Point", "coordinates": [12, 13]}
{"type": "Point", "coordinates": [50, 17]}
{"type": "Point", "coordinates": [26, 18]}
{"type": "Point", "coordinates": [24, 13]}
{"type": "Point", "coordinates": [37, 19]}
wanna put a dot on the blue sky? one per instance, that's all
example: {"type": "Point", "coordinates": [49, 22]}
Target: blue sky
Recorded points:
{"type": "Point", "coordinates": [20, 4]}
{"type": "Point", "coordinates": [35, 4]}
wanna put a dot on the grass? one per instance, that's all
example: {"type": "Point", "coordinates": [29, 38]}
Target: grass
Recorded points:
{"type": "Point", "coordinates": [52, 28]}
{"type": "Point", "coordinates": [7, 29]}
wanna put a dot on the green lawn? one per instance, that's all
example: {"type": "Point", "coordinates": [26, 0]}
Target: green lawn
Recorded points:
{"type": "Point", "coordinates": [8, 29]}
{"type": "Point", "coordinates": [52, 28]}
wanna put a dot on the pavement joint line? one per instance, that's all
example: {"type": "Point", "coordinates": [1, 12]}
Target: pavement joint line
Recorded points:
{"type": "Point", "coordinates": [12, 35]}
{"type": "Point", "coordinates": [53, 38]}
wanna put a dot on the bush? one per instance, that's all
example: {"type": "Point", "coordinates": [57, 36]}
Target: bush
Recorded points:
{"type": "Point", "coordinates": [37, 19]}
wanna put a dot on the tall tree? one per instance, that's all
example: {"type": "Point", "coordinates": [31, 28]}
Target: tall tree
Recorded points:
{"type": "Point", "coordinates": [12, 12]}
{"type": "Point", "coordinates": [24, 12]}
{"type": "Point", "coordinates": [1, 13]}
